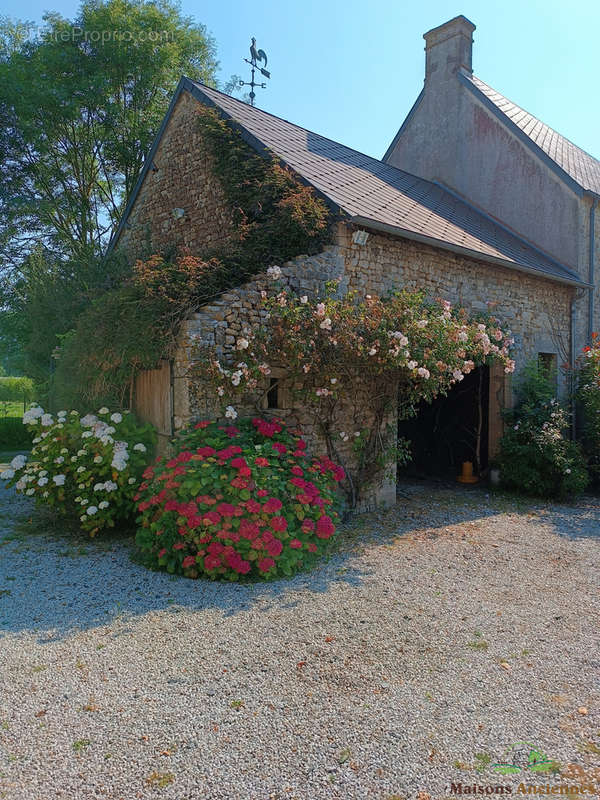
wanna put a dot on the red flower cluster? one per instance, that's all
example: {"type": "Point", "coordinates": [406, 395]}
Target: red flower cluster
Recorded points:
{"type": "Point", "coordinates": [267, 428]}
{"type": "Point", "coordinates": [256, 516]}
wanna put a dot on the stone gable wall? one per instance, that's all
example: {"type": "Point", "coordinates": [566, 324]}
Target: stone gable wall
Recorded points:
{"type": "Point", "coordinates": [184, 179]}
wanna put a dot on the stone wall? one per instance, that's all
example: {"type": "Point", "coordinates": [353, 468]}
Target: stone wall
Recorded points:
{"type": "Point", "coordinates": [536, 310]}
{"type": "Point", "coordinates": [182, 181]}
{"type": "Point", "coordinates": [219, 326]}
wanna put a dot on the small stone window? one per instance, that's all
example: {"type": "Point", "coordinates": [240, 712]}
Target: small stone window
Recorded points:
{"type": "Point", "coordinates": [273, 393]}
{"type": "Point", "coordinates": [277, 394]}
{"type": "Point", "coordinates": [547, 362]}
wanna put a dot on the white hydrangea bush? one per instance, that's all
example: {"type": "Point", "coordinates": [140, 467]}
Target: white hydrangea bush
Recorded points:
{"type": "Point", "coordinates": [89, 466]}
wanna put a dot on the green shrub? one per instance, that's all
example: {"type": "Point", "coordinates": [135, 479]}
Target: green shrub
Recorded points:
{"type": "Point", "coordinates": [89, 467]}
{"type": "Point", "coordinates": [535, 457]}
{"type": "Point", "coordinates": [13, 434]}
{"type": "Point", "coordinates": [238, 501]}
{"type": "Point", "coordinates": [588, 396]}
{"type": "Point", "coordinates": [19, 390]}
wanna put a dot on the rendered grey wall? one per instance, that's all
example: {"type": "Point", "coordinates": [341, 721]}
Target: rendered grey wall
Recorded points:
{"type": "Point", "coordinates": [453, 139]}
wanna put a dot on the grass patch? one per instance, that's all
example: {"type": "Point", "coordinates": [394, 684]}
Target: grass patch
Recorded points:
{"type": "Point", "coordinates": [482, 761]}
{"type": "Point", "coordinates": [160, 779]}
{"type": "Point", "coordinates": [12, 408]}
{"type": "Point", "coordinates": [479, 643]}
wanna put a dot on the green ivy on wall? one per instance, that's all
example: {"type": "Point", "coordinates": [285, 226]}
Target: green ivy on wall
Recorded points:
{"type": "Point", "coordinates": [135, 325]}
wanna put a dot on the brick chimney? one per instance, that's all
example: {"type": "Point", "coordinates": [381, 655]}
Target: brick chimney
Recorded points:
{"type": "Point", "coordinates": [449, 48]}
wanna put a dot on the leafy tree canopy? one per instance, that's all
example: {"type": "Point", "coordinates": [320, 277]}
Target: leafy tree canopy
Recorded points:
{"type": "Point", "coordinates": [80, 102]}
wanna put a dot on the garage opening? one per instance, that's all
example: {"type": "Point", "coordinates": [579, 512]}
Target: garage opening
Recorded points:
{"type": "Point", "coordinates": [450, 430]}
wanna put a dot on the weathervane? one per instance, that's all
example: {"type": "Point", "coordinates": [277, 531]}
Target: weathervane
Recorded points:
{"type": "Point", "coordinates": [255, 55]}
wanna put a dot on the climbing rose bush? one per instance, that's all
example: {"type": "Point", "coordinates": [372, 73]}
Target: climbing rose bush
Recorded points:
{"type": "Point", "coordinates": [428, 346]}
{"type": "Point", "coordinates": [238, 501]}
{"type": "Point", "coordinates": [89, 467]}
{"type": "Point", "coordinates": [360, 354]}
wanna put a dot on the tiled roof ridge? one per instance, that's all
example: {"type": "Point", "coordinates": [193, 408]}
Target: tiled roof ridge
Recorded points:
{"type": "Point", "coordinates": [360, 153]}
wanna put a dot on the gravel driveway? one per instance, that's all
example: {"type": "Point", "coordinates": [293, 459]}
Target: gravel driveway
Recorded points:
{"type": "Point", "coordinates": [443, 632]}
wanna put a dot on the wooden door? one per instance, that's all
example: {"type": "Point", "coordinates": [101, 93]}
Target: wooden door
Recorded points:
{"type": "Point", "coordinates": [154, 401]}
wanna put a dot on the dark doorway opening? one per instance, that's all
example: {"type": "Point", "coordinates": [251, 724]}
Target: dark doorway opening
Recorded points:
{"type": "Point", "coordinates": [451, 430]}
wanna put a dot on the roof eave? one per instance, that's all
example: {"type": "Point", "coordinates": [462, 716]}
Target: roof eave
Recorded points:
{"type": "Point", "coordinates": [394, 230]}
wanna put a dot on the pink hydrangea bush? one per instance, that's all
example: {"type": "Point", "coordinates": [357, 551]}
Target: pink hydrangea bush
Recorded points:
{"type": "Point", "coordinates": [242, 501]}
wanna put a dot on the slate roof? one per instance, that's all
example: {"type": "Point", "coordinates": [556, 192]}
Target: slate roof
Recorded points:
{"type": "Point", "coordinates": [372, 193]}
{"type": "Point", "coordinates": [582, 167]}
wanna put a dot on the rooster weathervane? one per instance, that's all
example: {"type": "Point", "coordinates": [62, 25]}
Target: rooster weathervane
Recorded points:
{"type": "Point", "coordinates": [255, 57]}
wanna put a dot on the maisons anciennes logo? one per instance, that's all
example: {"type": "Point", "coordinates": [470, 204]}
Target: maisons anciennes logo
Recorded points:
{"type": "Point", "coordinates": [522, 756]}
{"type": "Point", "coordinates": [519, 758]}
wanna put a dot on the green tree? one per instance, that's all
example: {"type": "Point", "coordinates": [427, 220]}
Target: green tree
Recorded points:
{"type": "Point", "coordinates": [80, 104]}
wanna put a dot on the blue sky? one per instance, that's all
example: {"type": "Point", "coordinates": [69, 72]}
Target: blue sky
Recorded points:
{"type": "Point", "coordinates": [351, 69]}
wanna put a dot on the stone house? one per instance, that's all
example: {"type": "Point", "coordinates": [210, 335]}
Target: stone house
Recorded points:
{"type": "Point", "coordinates": [414, 219]}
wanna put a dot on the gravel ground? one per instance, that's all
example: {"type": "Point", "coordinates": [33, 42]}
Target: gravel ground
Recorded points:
{"type": "Point", "coordinates": [443, 632]}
